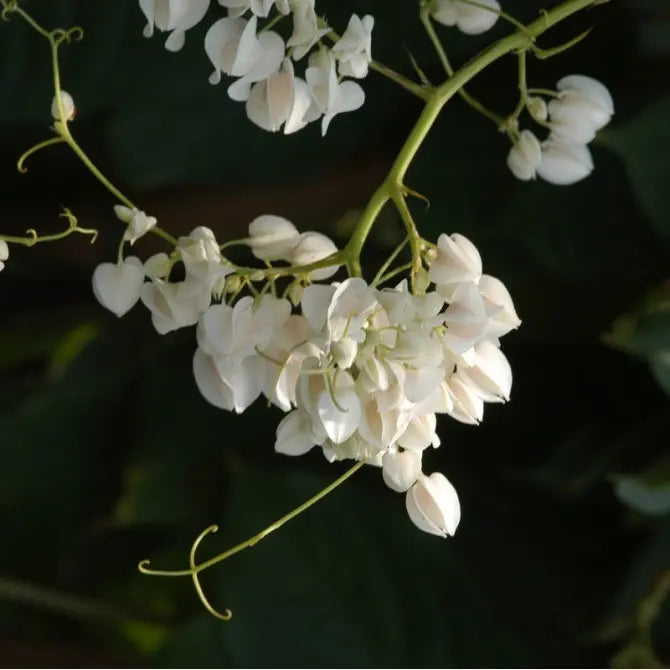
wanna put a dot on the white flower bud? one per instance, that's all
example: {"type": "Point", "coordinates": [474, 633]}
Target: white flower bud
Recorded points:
{"type": "Point", "coordinates": [117, 287]}
{"type": "Point", "coordinates": [433, 506]}
{"type": "Point", "coordinates": [499, 307]}
{"type": "Point", "coordinates": [138, 222]}
{"type": "Point", "coordinates": [457, 261]}
{"type": "Point", "coordinates": [311, 248]}
{"type": "Point", "coordinates": [272, 237]}
{"type": "Point", "coordinates": [490, 374]}
{"type": "Point", "coordinates": [157, 266]}
{"type": "Point", "coordinates": [294, 434]}
{"type": "Point", "coordinates": [583, 106]}
{"type": "Point", "coordinates": [401, 470]}
{"type": "Point", "coordinates": [564, 164]}
{"type": "Point", "coordinates": [474, 20]}
{"type": "Point", "coordinates": [67, 103]}
{"type": "Point", "coordinates": [537, 108]}
{"type": "Point", "coordinates": [468, 18]}
{"type": "Point", "coordinates": [525, 156]}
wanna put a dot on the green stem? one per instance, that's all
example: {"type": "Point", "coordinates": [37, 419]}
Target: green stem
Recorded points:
{"type": "Point", "coordinates": [476, 104]}
{"type": "Point", "coordinates": [195, 569]}
{"type": "Point", "coordinates": [387, 263]}
{"type": "Point", "coordinates": [435, 101]}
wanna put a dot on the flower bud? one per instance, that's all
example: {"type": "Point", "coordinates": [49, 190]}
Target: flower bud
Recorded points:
{"type": "Point", "coordinates": [564, 164]}
{"type": "Point", "coordinates": [157, 266]}
{"type": "Point", "coordinates": [400, 470]}
{"type": "Point", "coordinates": [525, 156]}
{"type": "Point", "coordinates": [272, 237]}
{"type": "Point", "coordinates": [4, 254]}
{"type": "Point", "coordinates": [490, 374]}
{"type": "Point", "coordinates": [312, 248]}
{"type": "Point", "coordinates": [117, 287]}
{"type": "Point", "coordinates": [457, 261]}
{"type": "Point", "coordinates": [433, 506]}
{"type": "Point", "coordinates": [233, 283]}
{"type": "Point", "coordinates": [474, 20]}
{"type": "Point", "coordinates": [67, 103]}
{"type": "Point", "coordinates": [537, 108]}
{"type": "Point", "coordinates": [138, 222]}
{"type": "Point", "coordinates": [583, 106]}
{"type": "Point", "coordinates": [295, 291]}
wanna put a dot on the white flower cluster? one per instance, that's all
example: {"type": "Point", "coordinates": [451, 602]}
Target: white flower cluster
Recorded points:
{"type": "Point", "coordinates": [582, 106]}
{"type": "Point", "coordinates": [359, 371]}
{"type": "Point", "coordinates": [262, 62]}
{"type": "Point", "coordinates": [471, 18]}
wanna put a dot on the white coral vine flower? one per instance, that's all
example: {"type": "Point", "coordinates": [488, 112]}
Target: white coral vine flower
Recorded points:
{"type": "Point", "coordinates": [525, 156]}
{"type": "Point", "coordinates": [138, 222]}
{"type": "Point", "coordinates": [331, 96]}
{"type": "Point", "coordinates": [564, 164]}
{"type": "Point", "coordinates": [311, 248]}
{"type": "Point", "coordinates": [258, 7]}
{"type": "Point", "coordinates": [174, 16]}
{"type": "Point", "coordinates": [157, 266]}
{"type": "Point", "coordinates": [583, 106]}
{"type": "Point", "coordinates": [401, 469]}
{"type": "Point", "coordinates": [4, 254]}
{"type": "Point", "coordinates": [272, 237]}
{"type": "Point", "coordinates": [117, 286]}
{"type": "Point", "coordinates": [175, 305]}
{"type": "Point", "coordinates": [471, 19]}
{"type": "Point", "coordinates": [433, 505]}
{"type": "Point", "coordinates": [490, 374]}
{"type": "Point", "coordinates": [67, 105]}
{"type": "Point", "coordinates": [354, 49]}
{"type": "Point", "coordinates": [457, 261]}
{"type": "Point", "coordinates": [306, 31]}
{"type": "Point", "coordinates": [281, 99]}
{"type": "Point", "coordinates": [234, 49]}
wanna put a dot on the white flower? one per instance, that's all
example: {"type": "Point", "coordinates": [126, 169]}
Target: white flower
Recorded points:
{"type": "Point", "coordinates": [230, 385]}
{"type": "Point", "coordinates": [499, 307]}
{"type": "Point", "coordinates": [280, 99]}
{"type": "Point", "coordinates": [67, 103]}
{"type": "Point", "coordinates": [311, 248]}
{"type": "Point", "coordinates": [238, 7]}
{"type": "Point", "coordinates": [175, 305]}
{"type": "Point", "coordinates": [272, 237]}
{"type": "Point", "coordinates": [468, 18]}
{"type": "Point", "coordinates": [466, 405]}
{"type": "Point", "coordinates": [354, 49]}
{"type": "Point", "coordinates": [433, 506]}
{"type": "Point", "coordinates": [564, 164]}
{"type": "Point", "coordinates": [202, 259]}
{"type": "Point", "coordinates": [401, 469]}
{"type": "Point", "coordinates": [584, 106]}
{"type": "Point", "coordinates": [339, 408]}
{"type": "Point", "coordinates": [117, 287]}
{"type": "Point", "coordinates": [331, 96]}
{"type": "Point", "coordinates": [294, 434]}
{"type": "Point", "coordinates": [525, 156]}
{"type": "Point", "coordinates": [466, 319]}
{"type": "Point", "coordinates": [138, 222]}
{"type": "Point", "coordinates": [4, 254]}
{"type": "Point", "coordinates": [457, 261]}
{"type": "Point", "coordinates": [490, 374]}
{"type": "Point", "coordinates": [306, 32]}
{"type": "Point", "coordinates": [157, 266]}
{"type": "Point", "coordinates": [420, 433]}
{"type": "Point", "coordinates": [234, 49]}
{"type": "Point", "coordinates": [176, 16]}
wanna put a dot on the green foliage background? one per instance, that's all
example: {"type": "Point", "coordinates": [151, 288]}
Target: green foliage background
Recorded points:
{"type": "Point", "coordinates": [109, 455]}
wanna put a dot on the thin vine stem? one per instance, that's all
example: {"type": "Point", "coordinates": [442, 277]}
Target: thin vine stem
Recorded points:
{"type": "Point", "coordinates": [144, 568]}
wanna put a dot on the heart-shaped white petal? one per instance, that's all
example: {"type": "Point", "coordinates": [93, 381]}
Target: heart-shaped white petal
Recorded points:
{"type": "Point", "coordinates": [117, 287]}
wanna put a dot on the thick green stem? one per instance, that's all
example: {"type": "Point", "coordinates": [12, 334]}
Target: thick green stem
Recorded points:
{"type": "Point", "coordinates": [437, 98]}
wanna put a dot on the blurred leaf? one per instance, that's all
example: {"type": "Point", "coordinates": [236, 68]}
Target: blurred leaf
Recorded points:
{"type": "Point", "coordinates": [642, 144]}
{"type": "Point", "coordinates": [660, 368]}
{"type": "Point", "coordinates": [647, 492]}
{"type": "Point", "coordinates": [71, 346]}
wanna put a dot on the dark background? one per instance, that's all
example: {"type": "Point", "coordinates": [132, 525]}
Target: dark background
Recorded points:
{"type": "Point", "coordinates": [109, 454]}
